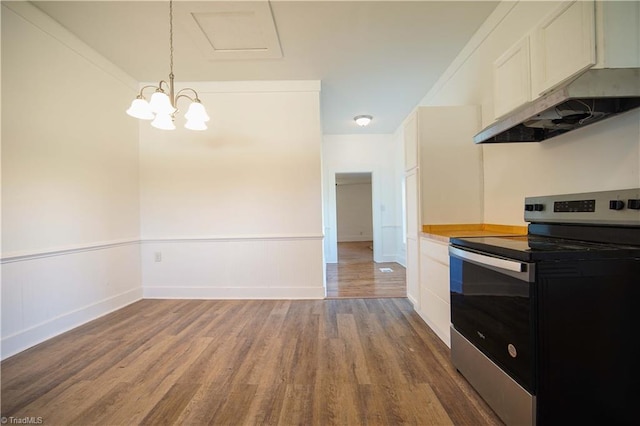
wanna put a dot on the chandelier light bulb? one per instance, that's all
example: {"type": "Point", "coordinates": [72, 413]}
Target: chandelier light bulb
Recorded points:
{"type": "Point", "coordinates": [163, 122]}
{"type": "Point", "coordinates": [140, 109]}
{"type": "Point", "coordinates": [363, 120]}
{"type": "Point", "coordinates": [196, 112]}
{"type": "Point", "coordinates": [195, 125]}
{"type": "Point", "coordinates": [161, 104]}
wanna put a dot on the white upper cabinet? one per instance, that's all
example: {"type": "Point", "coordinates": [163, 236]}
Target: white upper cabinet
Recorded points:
{"type": "Point", "coordinates": [618, 34]}
{"type": "Point", "coordinates": [563, 45]}
{"type": "Point", "coordinates": [512, 79]}
{"type": "Point", "coordinates": [575, 36]}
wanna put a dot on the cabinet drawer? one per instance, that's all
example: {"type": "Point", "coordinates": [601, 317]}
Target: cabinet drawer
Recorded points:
{"type": "Point", "coordinates": [437, 314]}
{"type": "Point", "coordinates": [434, 276]}
{"type": "Point", "coordinates": [435, 250]}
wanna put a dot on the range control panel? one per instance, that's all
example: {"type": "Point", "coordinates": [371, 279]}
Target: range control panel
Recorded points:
{"type": "Point", "coordinates": [620, 207]}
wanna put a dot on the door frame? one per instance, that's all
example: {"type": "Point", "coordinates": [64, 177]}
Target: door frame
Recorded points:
{"type": "Point", "coordinates": [331, 224]}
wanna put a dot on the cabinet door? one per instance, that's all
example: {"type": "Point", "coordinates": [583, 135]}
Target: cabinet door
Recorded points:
{"type": "Point", "coordinates": [413, 272]}
{"type": "Point", "coordinates": [512, 79]}
{"type": "Point", "coordinates": [434, 287]}
{"type": "Point", "coordinates": [563, 46]}
{"type": "Point", "coordinates": [618, 34]}
{"type": "Point", "coordinates": [436, 276]}
{"type": "Point", "coordinates": [412, 188]}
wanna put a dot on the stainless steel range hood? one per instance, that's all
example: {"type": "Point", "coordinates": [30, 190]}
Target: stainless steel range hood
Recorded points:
{"type": "Point", "coordinates": [595, 95]}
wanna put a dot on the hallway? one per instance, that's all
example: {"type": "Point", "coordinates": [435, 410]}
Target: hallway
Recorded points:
{"type": "Point", "coordinates": [357, 275]}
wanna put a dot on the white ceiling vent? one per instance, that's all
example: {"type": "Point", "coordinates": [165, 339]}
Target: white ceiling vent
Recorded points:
{"type": "Point", "coordinates": [233, 30]}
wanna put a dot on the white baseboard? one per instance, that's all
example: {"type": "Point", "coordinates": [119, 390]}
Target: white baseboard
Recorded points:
{"type": "Point", "coordinates": [151, 292]}
{"type": "Point", "coordinates": [25, 339]}
{"type": "Point", "coordinates": [444, 335]}
{"type": "Point", "coordinates": [413, 301]}
{"type": "Point", "coordinates": [387, 258]}
{"type": "Point", "coordinates": [355, 238]}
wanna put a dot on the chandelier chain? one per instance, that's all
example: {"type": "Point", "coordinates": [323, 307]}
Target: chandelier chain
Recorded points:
{"type": "Point", "coordinates": [171, 37]}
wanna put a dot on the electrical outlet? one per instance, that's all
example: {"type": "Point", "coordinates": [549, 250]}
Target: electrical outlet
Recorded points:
{"type": "Point", "coordinates": [158, 256]}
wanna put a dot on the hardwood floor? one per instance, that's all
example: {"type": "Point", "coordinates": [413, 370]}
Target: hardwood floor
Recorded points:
{"type": "Point", "coordinates": [237, 362]}
{"type": "Point", "coordinates": [356, 274]}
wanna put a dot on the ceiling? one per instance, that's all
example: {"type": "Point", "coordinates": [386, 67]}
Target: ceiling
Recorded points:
{"type": "Point", "coordinates": [373, 57]}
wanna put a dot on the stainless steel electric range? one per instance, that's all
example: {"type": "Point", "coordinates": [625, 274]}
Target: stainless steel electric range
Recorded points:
{"type": "Point", "coordinates": [545, 326]}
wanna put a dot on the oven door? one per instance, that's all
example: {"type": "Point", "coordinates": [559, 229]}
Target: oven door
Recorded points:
{"type": "Point", "coordinates": [492, 306]}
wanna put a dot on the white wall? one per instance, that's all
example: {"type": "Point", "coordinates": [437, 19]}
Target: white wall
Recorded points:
{"type": "Point", "coordinates": [357, 154]}
{"type": "Point", "coordinates": [236, 211]}
{"type": "Point", "coordinates": [70, 216]}
{"type": "Point", "coordinates": [602, 156]}
{"type": "Point", "coordinates": [353, 210]}
{"type": "Point", "coordinates": [233, 212]}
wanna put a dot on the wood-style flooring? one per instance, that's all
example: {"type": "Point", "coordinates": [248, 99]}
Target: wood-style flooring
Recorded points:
{"type": "Point", "coordinates": [357, 275]}
{"type": "Point", "coordinates": [244, 362]}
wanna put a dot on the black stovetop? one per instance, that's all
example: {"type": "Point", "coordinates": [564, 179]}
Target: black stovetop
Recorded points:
{"type": "Point", "coordinates": [529, 248]}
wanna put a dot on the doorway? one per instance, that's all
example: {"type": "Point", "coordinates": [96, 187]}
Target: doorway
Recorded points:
{"type": "Point", "coordinates": [354, 212]}
{"type": "Point", "coordinates": [356, 274]}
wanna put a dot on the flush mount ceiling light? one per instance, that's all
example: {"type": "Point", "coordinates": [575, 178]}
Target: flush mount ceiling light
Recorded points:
{"type": "Point", "coordinates": [362, 120]}
{"type": "Point", "coordinates": [161, 108]}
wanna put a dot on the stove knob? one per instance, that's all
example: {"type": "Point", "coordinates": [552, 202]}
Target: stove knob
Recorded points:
{"type": "Point", "coordinates": [538, 207]}
{"type": "Point", "coordinates": [634, 204]}
{"type": "Point", "coordinates": [528, 207]}
{"type": "Point", "coordinates": [616, 205]}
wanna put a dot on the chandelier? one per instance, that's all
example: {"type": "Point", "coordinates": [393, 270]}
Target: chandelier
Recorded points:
{"type": "Point", "coordinates": [162, 107]}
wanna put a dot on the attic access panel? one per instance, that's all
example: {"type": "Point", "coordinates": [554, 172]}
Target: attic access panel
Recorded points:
{"type": "Point", "coordinates": [232, 30]}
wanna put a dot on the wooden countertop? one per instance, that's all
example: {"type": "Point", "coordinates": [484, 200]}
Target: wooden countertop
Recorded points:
{"type": "Point", "coordinates": [444, 232]}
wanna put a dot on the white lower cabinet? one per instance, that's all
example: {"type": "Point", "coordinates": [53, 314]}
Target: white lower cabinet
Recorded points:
{"type": "Point", "coordinates": [413, 268]}
{"type": "Point", "coordinates": [434, 287]}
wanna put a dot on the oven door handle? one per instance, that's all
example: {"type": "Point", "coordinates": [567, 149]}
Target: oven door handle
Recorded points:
{"type": "Point", "coordinates": [482, 259]}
